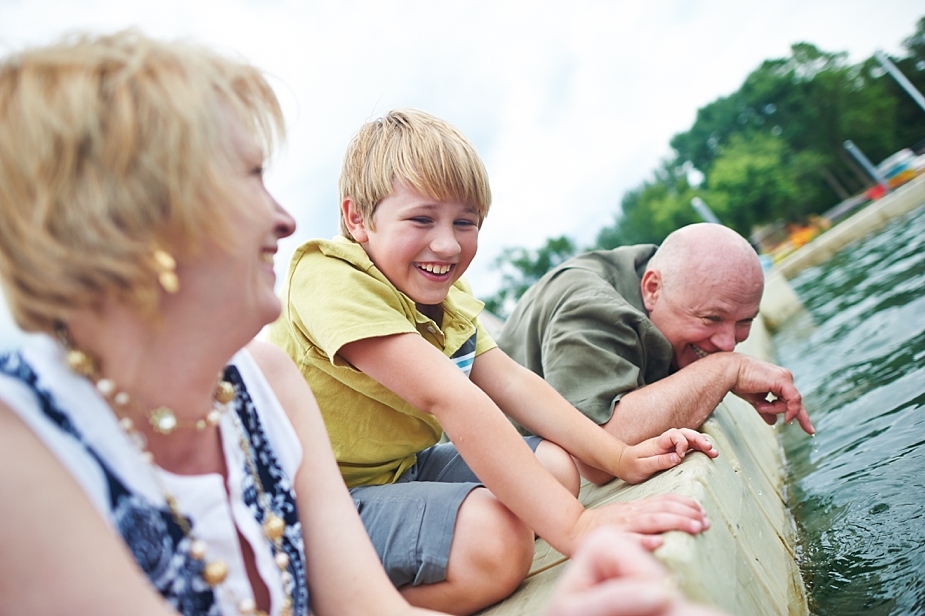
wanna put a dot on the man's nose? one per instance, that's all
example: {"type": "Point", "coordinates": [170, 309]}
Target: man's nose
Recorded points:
{"type": "Point", "coordinates": [724, 338]}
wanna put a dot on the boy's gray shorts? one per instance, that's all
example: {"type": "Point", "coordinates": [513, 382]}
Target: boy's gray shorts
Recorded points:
{"type": "Point", "coordinates": [411, 522]}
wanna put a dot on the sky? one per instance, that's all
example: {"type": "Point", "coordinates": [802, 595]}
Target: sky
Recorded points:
{"type": "Point", "coordinates": [570, 103]}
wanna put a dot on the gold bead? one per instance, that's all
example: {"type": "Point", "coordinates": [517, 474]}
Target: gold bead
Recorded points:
{"type": "Point", "coordinates": [225, 392]}
{"type": "Point", "coordinates": [215, 572]}
{"type": "Point", "coordinates": [79, 362]}
{"type": "Point", "coordinates": [274, 526]}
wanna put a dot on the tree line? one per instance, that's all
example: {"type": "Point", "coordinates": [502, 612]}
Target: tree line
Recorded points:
{"type": "Point", "coordinates": [771, 151]}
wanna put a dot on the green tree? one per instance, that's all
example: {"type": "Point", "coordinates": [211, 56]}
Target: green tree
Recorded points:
{"type": "Point", "coordinates": [774, 149]}
{"type": "Point", "coordinates": [520, 268]}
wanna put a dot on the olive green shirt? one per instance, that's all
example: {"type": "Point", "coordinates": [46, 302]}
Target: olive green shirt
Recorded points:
{"type": "Point", "coordinates": [583, 327]}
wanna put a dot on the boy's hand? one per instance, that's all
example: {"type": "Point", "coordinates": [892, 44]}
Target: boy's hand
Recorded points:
{"type": "Point", "coordinates": [646, 518]}
{"type": "Point", "coordinates": [639, 462]}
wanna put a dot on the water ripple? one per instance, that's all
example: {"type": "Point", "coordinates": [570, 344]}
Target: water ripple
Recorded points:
{"type": "Point", "coordinates": [858, 488]}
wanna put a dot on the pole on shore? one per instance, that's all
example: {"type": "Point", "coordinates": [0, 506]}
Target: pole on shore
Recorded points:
{"type": "Point", "coordinates": [868, 166]}
{"type": "Point", "coordinates": [704, 210]}
{"type": "Point", "coordinates": [900, 78]}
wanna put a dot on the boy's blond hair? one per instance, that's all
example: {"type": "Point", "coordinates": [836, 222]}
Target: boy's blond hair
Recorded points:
{"type": "Point", "coordinates": [112, 147]}
{"type": "Point", "coordinates": [419, 150]}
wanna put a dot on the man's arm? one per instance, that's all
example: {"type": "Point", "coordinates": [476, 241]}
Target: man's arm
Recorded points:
{"type": "Point", "coordinates": [687, 397]}
{"type": "Point", "coordinates": [533, 403]}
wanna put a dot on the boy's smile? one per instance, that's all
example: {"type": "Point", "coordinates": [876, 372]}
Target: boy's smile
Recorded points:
{"type": "Point", "coordinates": [420, 244]}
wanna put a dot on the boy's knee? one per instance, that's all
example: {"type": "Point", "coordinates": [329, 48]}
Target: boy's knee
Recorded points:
{"type": "Point", "coordinates": [492, 547]}
{"type": "Point", "coordinates": [560, 465]}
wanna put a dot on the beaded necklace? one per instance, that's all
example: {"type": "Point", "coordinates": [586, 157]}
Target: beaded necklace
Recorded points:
{"type": "Point", "coordinates": [164, 421]}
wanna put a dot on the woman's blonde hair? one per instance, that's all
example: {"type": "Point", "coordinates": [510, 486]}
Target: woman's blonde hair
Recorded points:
{"type": "Point", "coordinates": [419, 150]}
{"type": "Point", "coordinates": [112, 147]}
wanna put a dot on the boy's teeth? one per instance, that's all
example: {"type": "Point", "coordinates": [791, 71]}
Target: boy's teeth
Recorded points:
{"type": "Point", "coordinates": [435, 269]}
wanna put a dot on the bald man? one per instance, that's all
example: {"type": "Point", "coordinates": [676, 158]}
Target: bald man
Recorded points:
{"type": "Point", "coordinates": [641, 338]}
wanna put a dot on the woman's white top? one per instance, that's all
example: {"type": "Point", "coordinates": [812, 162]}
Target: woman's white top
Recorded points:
{"type": "Point", "coordinates": [77, 424]}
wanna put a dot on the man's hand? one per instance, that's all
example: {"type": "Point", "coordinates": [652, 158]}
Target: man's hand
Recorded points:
{"type": "Point", "coordinates": [639, 462]}
{"type": "Point", "coordinates": [756, 379]}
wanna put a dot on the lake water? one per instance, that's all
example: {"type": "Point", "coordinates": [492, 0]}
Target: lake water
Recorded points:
{"type": "Point", "coordinates": [857, 489]}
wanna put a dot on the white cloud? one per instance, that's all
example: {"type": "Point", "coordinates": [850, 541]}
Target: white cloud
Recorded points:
{"type": "Point", "coordinates": [571, 104]}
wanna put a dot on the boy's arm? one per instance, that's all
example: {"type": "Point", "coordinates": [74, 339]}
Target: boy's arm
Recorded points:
{"type": "Point", "coordinates": [541, 409]}
{"type": "Point", "coordinates": [421, 375]}
{"type": "Point", "coordinates": [534, 404]}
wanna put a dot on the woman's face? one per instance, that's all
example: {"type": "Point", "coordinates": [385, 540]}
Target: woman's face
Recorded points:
{"type": "Point", "coordinates": [235, 281]}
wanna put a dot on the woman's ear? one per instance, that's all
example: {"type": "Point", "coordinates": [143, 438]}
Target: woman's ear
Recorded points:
{"type": "Point", "coordinates": [354, 220]}
{"type": "Point", "coordinates": [651, 288]}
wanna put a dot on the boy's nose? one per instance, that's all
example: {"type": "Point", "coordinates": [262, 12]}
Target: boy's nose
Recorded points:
{"type": "Point", "coordinates": [444, 242]}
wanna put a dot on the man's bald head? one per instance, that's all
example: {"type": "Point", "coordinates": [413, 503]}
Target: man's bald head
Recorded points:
{"type": "Point", "coordinates": [706, 250]}
{"type": "Point", "coordinates": [702, 289]}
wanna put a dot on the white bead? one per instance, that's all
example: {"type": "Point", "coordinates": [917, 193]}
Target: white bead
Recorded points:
{"type": "Point", "coordinates": [121, 399]}
{"type": "Point", "coordinates": [247, 606]}
{"type": "Point", "coordinates": [282, 560]}
{"type": "Point", "coordinates": [105, 387]}
{"type": "Point", "coordinates": [197, 549]}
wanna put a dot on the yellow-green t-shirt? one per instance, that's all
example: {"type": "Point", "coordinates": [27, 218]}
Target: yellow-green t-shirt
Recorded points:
{"type": "Point", "coordinates": [334, 295]}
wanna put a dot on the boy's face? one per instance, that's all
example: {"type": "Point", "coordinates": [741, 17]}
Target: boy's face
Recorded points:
{"type": "Point", "coordinates": [421, 245]}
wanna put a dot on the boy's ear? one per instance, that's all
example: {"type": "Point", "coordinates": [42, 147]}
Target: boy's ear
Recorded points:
{"type": "Point", "coordinates": [354, 220]}
{"type": "Point", "coordinates": [651, 288]}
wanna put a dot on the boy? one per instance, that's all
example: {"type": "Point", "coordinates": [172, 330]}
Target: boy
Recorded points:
{"type": "Point", "coordinates": [387, 334]}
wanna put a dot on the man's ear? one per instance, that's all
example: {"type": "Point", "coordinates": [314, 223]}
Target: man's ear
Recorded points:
{"type": "Point", "coordinates": [651, 288]}
{"type": "Point", "coordinates": [354, 220]}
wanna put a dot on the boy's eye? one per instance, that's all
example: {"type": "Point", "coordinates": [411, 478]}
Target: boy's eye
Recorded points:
{"type": "Point", "coordinates": [421, 220]}
{"type": "Point", "coordinates": [258, 171]}
{"type": "Point", "coordinates": [466, 223]}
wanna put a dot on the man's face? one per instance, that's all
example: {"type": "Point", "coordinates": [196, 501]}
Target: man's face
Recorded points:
{"type": "Point", "coordinates": [701, 316]}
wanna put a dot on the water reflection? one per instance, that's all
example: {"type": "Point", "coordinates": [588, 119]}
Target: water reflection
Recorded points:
{"type": "Point", "coordinates": [858, 489]}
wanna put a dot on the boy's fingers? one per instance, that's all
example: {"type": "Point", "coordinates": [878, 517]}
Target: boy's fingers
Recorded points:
{"type": "Point", "coordinates": [659, 514]}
